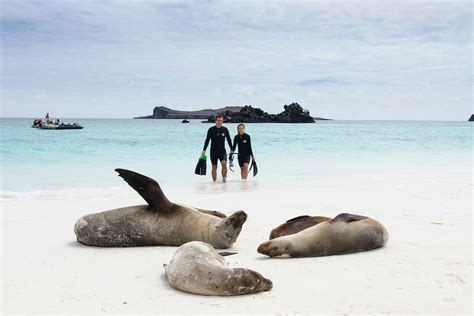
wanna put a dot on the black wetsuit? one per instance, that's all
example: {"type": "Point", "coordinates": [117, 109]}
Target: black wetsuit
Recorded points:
{"type": "Point", "coordinates": [217, 136]}
{"type": "Point", "coordinates": [245, 148]}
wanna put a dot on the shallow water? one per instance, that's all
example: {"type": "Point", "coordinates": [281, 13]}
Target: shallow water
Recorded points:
{"type": "Point", "coordinates": [167, 150]}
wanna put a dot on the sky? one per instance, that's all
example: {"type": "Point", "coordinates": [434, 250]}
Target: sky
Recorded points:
{"type": "Point", "coordinates": [349, 60]}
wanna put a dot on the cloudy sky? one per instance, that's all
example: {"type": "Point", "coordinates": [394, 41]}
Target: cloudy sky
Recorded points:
{"type": "Point", "coordinates": [345, 60]}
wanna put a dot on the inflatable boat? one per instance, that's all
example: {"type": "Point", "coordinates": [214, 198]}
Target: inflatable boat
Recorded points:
{"type": "Point", "coordinates": [38, 123]}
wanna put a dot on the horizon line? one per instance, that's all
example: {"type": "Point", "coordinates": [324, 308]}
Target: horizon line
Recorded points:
{"type": "Point", "coordinates": [325, 120]}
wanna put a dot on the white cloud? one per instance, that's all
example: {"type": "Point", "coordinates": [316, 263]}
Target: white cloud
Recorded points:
{"type": "Point", "coordinates": [191, 54]}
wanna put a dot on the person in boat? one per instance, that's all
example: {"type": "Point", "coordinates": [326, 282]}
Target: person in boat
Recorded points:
{"type": "Point", "coordinates": [38, 122]}
{"type": "Point", "coordinates": [242, 140]}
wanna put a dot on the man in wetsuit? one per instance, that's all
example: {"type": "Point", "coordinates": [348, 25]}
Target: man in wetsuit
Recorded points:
{"type": "Point", "coordinates": [217, 135]}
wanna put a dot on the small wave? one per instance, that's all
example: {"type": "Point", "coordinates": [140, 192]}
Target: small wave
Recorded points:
{"type": "Point", "coordinates": [83, 194]}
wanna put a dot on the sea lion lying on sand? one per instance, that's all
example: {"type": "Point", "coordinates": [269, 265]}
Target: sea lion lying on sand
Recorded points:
{"type": "Point", "coordinates": [296, 224]}
{"type": "Point", "coordinates": [197, 268]}
{"type": "Point", "coordinates": [343, 234]}
{"type": "Point", "coordinates": [161, 222]}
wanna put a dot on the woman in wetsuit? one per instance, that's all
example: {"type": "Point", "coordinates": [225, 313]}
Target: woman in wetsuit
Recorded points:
{"type": "Point", "coordinates": [245, 150]}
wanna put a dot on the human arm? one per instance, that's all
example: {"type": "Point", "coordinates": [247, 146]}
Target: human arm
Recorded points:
{"type": "Point", "coordinates": [250, 148]}
{"type": "Point", "coordinates": [229, 141]}
{"type": "Point", "coordinates": [206, 142]}
{"type": "Point", "coordinates": [234, 146]}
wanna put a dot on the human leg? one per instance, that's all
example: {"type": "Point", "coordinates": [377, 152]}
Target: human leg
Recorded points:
{"type": "Point", "coordinates": [214, 173]}
{"type": "Point", "coordinates": [214, 158]}
{"type": "Point", "coordinates": [224, 170]}
{"type": "Point", "coordinates": [244, 166]}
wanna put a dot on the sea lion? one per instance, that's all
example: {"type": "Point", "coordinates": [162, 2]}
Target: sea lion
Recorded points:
{"type": "Point", "coordinates": [343, 234]}
{"type": "Point", "coordinates": [161, 222]}
{"type": "Point", "coordinates": [197, 268]}
{"type": "Point", "coordinates": [297, 224]}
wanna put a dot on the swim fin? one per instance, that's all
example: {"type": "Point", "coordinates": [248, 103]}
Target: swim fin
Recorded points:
{"type": "Point", "coordinates": [231, 162]}
{"type": "Point", "coordinates": [254, 167]}
{"type": "Point", "coordinates": [201, 166]}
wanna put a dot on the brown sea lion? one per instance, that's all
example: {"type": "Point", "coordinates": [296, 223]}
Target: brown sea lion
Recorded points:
{"type": "Point", "coordinates": [197, 268]}
{"type": "Point", "coordinates": [343, 234]}
{"type": "Point", "coordinates": [297, 224]}
{"type": "Point", "coordinates": [161, 222]}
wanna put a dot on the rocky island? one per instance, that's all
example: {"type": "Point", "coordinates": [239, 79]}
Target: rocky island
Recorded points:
{"type": "Point", "coordinates": [471, 119]}
{"type": "Point", "coordinates": [293, 113]}
{"type": "Point", "coordinates": [162, 112]}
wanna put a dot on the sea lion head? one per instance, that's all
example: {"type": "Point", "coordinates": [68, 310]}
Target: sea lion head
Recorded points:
{"type": "Point", "coordinates": [275, 247]}
{"type": "Point", "coordinates": [248, 281]}
{"type": "Point", "coordinates": [228, 230]}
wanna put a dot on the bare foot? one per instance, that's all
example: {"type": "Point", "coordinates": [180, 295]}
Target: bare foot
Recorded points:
{"type": "Point", "coordinates": [224, 180]}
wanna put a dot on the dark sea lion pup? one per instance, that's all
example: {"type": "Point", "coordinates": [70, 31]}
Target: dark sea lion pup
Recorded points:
{"type": "Point", "coordinates": [296, 224]}
{"type": "Point", "coordinates": [161, 222]}
{"type": "Point", "coordinates": [343, 234]}
{"type": "Point", "coordinates": [197, 268]}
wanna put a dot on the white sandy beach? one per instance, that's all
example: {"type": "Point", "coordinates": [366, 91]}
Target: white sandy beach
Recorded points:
{"type": "Point", "coordinates": [426, 266]}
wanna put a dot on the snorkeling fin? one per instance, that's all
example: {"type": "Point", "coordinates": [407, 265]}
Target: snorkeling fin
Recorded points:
{"type": "Point", "coordinates": [201, 166]}
{"type": "Point", "coordinates": [231, 162]}
{"type": "Point", "coordinates": [254, 167]}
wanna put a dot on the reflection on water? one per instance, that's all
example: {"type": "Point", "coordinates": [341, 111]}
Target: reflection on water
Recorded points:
{"type": "Point", "coordinates": [231, 186]}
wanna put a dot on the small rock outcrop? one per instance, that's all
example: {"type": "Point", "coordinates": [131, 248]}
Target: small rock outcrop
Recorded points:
{"type": "Point", "coordinates": [471, 119]}
{"type": "Point", "coordinates": [293, 113]}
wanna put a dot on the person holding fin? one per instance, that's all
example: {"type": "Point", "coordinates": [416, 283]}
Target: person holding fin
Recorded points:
{"type": "Point", "coordinates": [217, 135]}
{"type": "Point", "coordinates": [242, 140]}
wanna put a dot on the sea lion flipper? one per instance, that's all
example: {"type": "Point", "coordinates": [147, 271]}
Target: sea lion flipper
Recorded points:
{"type": "Point", "coordinates": [148, 188]}
{"type": "Point", "coordinates": [213, 213]}
{"type": "Point", "coordinates": [226, 253]}
{"type": "Point", "coordinates": [347, 217]}
{"type": "Point", "coordinates": [297, 218]}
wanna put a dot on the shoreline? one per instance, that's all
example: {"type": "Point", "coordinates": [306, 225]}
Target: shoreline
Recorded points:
{"type": "Point", "coordinates": [265, 181]}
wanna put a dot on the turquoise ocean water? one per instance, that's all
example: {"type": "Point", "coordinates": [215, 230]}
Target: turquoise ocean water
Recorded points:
{"type": "Point", "coordinates": [167, 150]}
